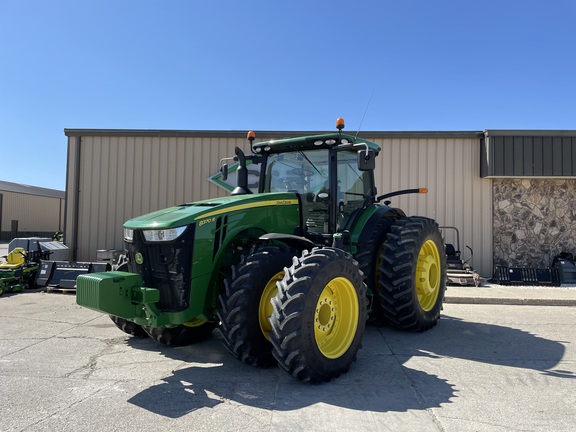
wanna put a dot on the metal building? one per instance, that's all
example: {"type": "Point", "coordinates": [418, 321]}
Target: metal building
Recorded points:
{"type": "Point", "coordinates": [510, 193]}
{"type": "Point", "coordinates": [30, 211]}
{"type": "Point", "coordinates": [114, 175]}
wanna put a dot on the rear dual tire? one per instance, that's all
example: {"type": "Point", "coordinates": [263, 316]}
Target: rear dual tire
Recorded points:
{"type": "Point", "coordinates": [412, 274]}
{"type": "Point", "coordinates": [369, 260]}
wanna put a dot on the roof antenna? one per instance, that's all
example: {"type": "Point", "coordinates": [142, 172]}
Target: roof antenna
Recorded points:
{"type": "Point", "coordinates": [365, 111]}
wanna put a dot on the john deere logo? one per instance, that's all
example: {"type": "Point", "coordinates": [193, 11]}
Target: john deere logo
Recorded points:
{"type": "Point", "coordinates": [139, 258]}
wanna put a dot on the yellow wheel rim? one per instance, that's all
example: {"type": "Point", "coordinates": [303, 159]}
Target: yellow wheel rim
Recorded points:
{"type": "Point", "coordinates": [265, 306]}
{"type": "Point", "coordinates": [336, 318]}
{"type": "Point", "coordinates": [194, 323]}
{"type": "Point", "coordinates": [428, 275]}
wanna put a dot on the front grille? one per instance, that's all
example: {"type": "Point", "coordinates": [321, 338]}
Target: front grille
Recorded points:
{"type": "Point", "coordinates": [166, 267]}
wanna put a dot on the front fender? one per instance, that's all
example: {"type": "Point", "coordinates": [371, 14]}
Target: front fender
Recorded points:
{"type": "Point", "coordinates": [291, 240]}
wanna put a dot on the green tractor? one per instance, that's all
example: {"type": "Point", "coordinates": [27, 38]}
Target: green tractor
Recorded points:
{"type": "Point", "coordinates": [290, 274]}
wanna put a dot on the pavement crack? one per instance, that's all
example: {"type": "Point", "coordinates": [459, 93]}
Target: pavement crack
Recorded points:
{"type": "Point", "coordinates": [90, 366]}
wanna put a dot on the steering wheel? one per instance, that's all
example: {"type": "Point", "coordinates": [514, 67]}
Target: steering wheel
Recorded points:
{"type": "Point", "coordinates": [304, 172]}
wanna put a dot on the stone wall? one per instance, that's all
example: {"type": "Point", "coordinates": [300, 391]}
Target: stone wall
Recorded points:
{"type": "Point", "coordinates": [534, 220]}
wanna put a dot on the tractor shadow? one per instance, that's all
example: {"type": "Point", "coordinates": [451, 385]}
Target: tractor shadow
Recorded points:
{"type": "Point", "coordinates": [483, 343]}
{"type": "Point", "coordinates": [377, 382]}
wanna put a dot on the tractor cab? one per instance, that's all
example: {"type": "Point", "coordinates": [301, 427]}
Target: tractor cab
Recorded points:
{"type": "Point", "coordinates": [327, 180]}
{"type": "Point", "coordinates": [333, 175]}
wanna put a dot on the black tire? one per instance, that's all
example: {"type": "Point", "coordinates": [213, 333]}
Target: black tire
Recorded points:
{"type": "Point", "coordinates": [181, 335]}
{"type": "Point", "coordinates": [368, 257]}
{"type": "Point", "coordinates": [245, 303]}
{"type": "Point", "coordinates": [321, 288]}
{"type": "Point", "coordinates": [413, 274]}
{"type": "Point", "coordinates": [31, 281]}
{"type": "Point", "coordinates": [129, 327]}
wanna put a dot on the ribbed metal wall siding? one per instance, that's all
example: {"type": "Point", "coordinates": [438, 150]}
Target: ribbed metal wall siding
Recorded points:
{"type": "Point", "coordinates": [457, 196]}
{"type": "Point", "coordinates": [123, 177]}
{"type": "Point", "coordinates": [529, 156]}
{"type": "Point", "coordinates": [34, 213]}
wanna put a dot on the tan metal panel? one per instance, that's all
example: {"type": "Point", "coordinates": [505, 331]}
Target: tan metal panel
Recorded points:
{"type": "Point", "coordinates": [70, 220]}
{"type": "Point", "coordinates": [34, 213]}
{"type": "Point", "coordinates": [122, 177]}
{"type": "Point", "coordinates": [457, 195]}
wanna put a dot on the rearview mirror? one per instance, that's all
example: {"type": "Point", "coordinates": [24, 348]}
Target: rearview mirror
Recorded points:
{"type": "Point", "coordinates": [224, 171]}
{"type": "Point", "coordinates": [366, 160]}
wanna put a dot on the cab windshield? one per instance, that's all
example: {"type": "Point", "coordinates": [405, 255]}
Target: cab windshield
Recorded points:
{"type": "Point", "coordinates": [307, 173]}
{"type": "Point", "coordinates": [301, 172]}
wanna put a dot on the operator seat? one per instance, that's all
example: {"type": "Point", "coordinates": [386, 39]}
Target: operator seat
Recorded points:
{"type": "Point", "coordinates": [15, 259]}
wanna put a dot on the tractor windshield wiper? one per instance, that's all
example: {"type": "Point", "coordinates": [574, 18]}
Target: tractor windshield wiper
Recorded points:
{"type": "Point", "coordinates": [310, 162]}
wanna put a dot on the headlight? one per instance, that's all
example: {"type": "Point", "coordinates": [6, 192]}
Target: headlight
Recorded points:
{"type": "Point", "coordinates": [163, 235]}
{"type": "Point", "coordinates": [128, 235]}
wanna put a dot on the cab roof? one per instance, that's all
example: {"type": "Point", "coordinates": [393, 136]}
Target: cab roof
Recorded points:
{"type": "Point", "coordinates": [311, 142]}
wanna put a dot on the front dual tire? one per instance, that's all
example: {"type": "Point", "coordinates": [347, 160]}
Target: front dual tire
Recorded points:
{"type": "Point", "coordinates": [305, 313]}
{"type": "Point", "coordinates": [181, 335]}
{"type": "Point", "coordinates": [246, 303]}
{"type": "Point", "coordinates": [319, 315]}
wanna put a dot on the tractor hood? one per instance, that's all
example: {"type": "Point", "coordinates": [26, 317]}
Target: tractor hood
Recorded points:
{"type": "Point", "coordinates": [185, 214]}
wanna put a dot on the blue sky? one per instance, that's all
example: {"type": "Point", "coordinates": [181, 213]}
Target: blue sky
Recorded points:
{"type": "Point", "coordinates": [271, 65]}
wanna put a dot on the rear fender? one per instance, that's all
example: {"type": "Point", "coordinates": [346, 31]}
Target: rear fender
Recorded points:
{"type": "Point", "coordinates": [363, 229]}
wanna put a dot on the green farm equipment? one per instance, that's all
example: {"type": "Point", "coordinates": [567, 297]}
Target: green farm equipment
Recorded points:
{"type": "Point", "coordinates": [290, 274]}
{"type": "Point", "coordinates": [18, 271]}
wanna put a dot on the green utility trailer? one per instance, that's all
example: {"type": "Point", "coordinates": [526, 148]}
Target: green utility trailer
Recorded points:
{"type": "Point", "coordinates": [290, 274]}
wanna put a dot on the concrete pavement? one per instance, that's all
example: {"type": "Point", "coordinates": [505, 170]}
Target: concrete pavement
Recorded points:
{"type": "Point", "coordinates": [488, 365]}
{"type": "Point", "coordinates": [482, 368]}
{"type": "Point", "coordinates": [513, 295]}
